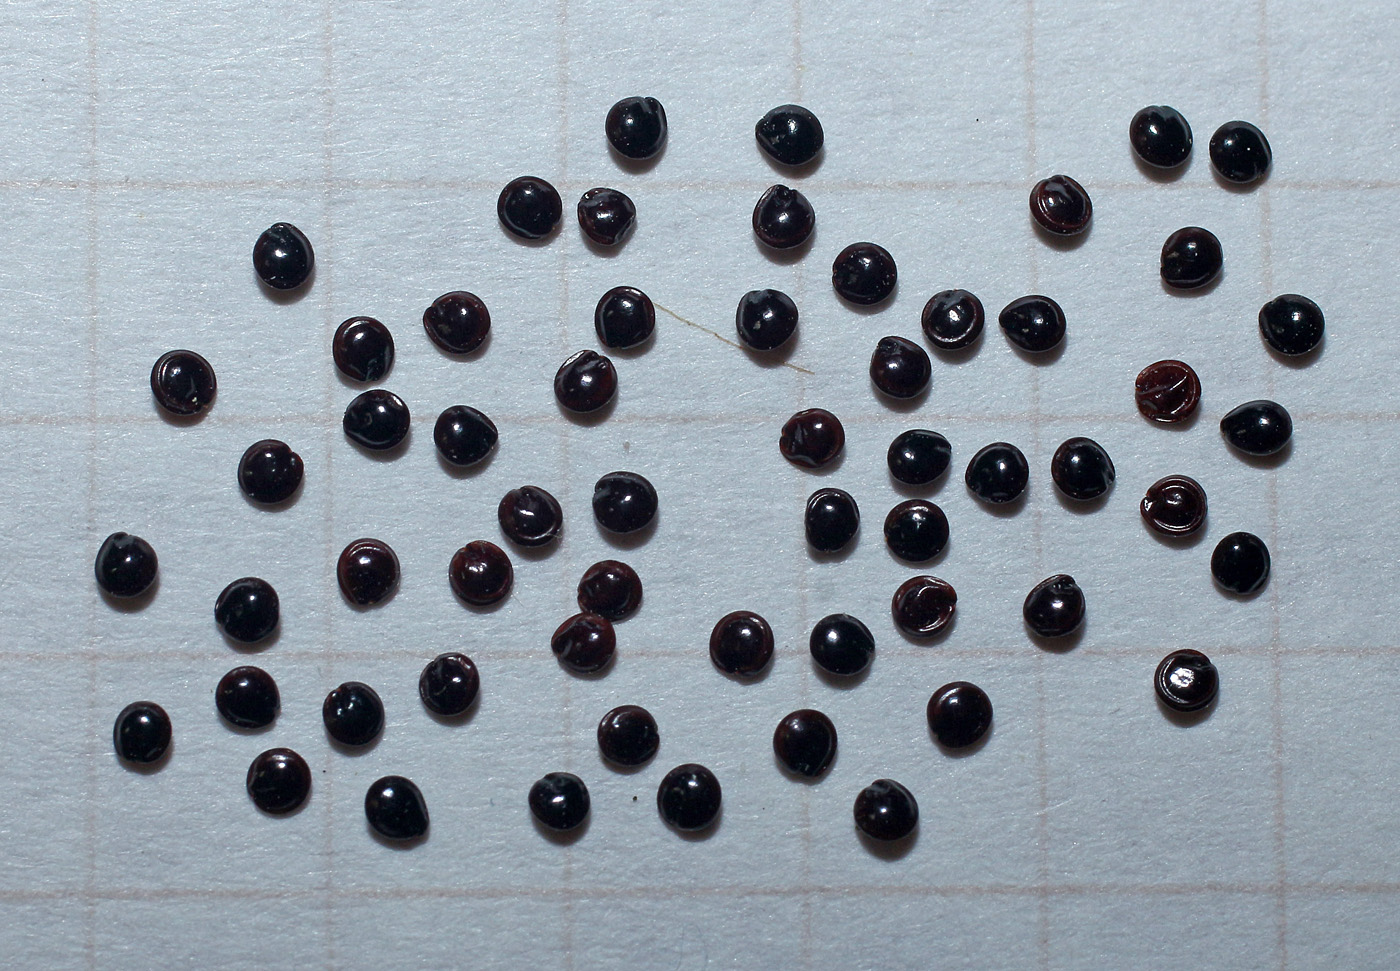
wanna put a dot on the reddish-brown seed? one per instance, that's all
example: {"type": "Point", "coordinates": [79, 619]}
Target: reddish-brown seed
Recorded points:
{"type": "Point", "coordinates": [1167, 391]}
{"type": "Point", "coordinates": [812, 438]}
{"type": "Point", "coordinates": [368, 571]}
{"type": "Point", "coordinates": [611, 589]}
{"type": "Point", "coordinates": [923, 606]}
{"type": "Point", "coordinates": [1175, 506]}
{"type": "Point", "coordinates": [584, 643]}
{"type": "Point", "coordinates": [480, 573]}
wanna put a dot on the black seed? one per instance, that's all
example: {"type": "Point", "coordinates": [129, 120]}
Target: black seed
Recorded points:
{"type": "Point", "coordinates": [463, 435]}
{"type": "Point", "coordinates": [363, 349]}
{"type": "Point", "coordinates": [247, 610]}
{"type": "Point", "coordinates": [353, 714]}
{"type": "Point", "coordinates": [1081, 469]}
{"type": "Point", "coordinates": [376, 419]}
{"type": "Point", "coordinates": [952, 319]}
{"type": "Point", "coordinates": [1291, 324]}
{"type": "Point", "coordinates": [247, 697]}
{"type": "Point", "coordinates": [1060, 205]}
{"type": "Point", "coordinates": [1033, 323]}
{"type": "Point", "coordinates": [636, 127]}
{"type": "Point", "coordinates": [1259, 427]}
{"type": "Point", "coordinates": [624, 502]}
{"type": "Point", "coordinates": [689, 797]}
{"type": "Point", "coordinates": [449, 684]}
{"type": "Point", "coordinates": [282, 257]}
{"type": "Point", "coordinates": [998, 473]}
{"type": "Point", "coordinates": [789, 134]}
{"type": "Point", "coordinates": [783, 218]}
{"type": "Point", "coordinates": [900, 368]}
{"type": "Point", "coordinates": [585, 382]}
{"type": "Point", "coordinates": [480, 573]}
{"type": "Point", "coordinates": [1240, 563]}
{"type": "Point", "coordinates": [1186, 681]}
{"type": "Point", "coordinates": [560, 801]}
{"type": "Point", "coordinates": [1054, 607]}
{"type": "Point", "coordinates": [1191, 259]}
{"type": "Point", "coordinates": [457, 322]}
{"type": "Point", "coordinates": [805, 742]}
{"type": "Point", "coordinates": [606, 216]}
{"type": "Point", "coordinates": [529, 516]}
{"type": "Point", "coordinates": [584, 643]}
{"type": "Point", "coordinates": [141, 733]}
{"type": "Point", "coordinates": [628, 735]}
{"type": "Point", "coordinates": [766, 319]}
{"type": "Point", "coordinates": [842, 645]}
{"type": "Point", "coordinates": [183, 383]}
{"type": "Point", "coordinates": [367, 571]}
{"type": "Point", "coordinates": [916, 530]}
{"type": "Point", "coordinates": [831, 520]}
{"type": "Point", "coordinates": [624, 317]}
{"type": "Point", "coordinates": [395, 808]}
{"type": "Point", "coordinates": [918, 456]}
{"type": "Point", "coordinates": [741, 643]}
{"type": "Point", "coordinates": [279, 781]}
{"type": "Point", "coordinates": [959, 714]}
{"type": "Point", "coordinates": [126, 565]}
{"type": "Point", "coordinates": [1160, 136]}
{"type": "Point", "coordinates": [1174, 505]}
{"type": "Point", "coordinates": [864, 273]}
{"type": "Point", "coordinates": [611, 589]}
{"type": "Point", "coordinates": [269, 471]}
{"type": "Point", "coordinates": [1240, 153]}
{"type": "Point", "coordinates": [529, 207]}
{"type": "Point", "coordinates": [885, 810]}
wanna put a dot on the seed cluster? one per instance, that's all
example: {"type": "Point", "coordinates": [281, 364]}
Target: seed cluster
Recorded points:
{"type": "Point", "coordinates": [741, 645]}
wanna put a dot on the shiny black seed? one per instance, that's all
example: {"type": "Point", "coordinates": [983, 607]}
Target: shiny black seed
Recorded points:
{"type": "Point", "coordinates": [1240, 563]}
{"type": "Point", "coordinates": [689, 797]}
{"type": "Point", "coordinates": [916, 530]}
{"type": "Point", "coordinates": [449, 684]}
{"type": "Point", "coordinates": [998, 473]}
{"type": "Point", "coordinates": [560, 801]}
{"type": "Point", "coordinates": [1258, 427]}
{"type": "Point", "coordinates": [377, 420]}
{"type": "Point", "coordinates": [269, 471]}
{"type": "Point", "coordinates": [864, 273]}
{"type": "Point", "coordinates": [363, 349]}
{"type": "Point", "coordinates": [1054, 607]}
{"type": "Point", "coordinates": [842, 645]}
{"type": "Point", "coordinates": [918, 456]}
{"type": "Point", "coordinates": [831, 520]}
{"type": "Point", "coordinates": [247, 610]}
{"type": "Point", "coordinates": [458, 322]}
{"type": "Point", "coordinates": [783, 218]}
{"type": "Point", "coordinates": [183, 383]}
{"type": "Point", "coordinates": [1059, 205]}
{"type": "Point", "coordinates": [1081, 469]}
{"type": "Point", "coordinates": [636, 127]}
{"type": "Point", "coordinates": [1160, 136]}
{"type": "Point", "coordinates": [741, 643]}
{"type": "Point", "coordinates": [1240, 153]}
{"type": "Point", "coordinates": [282, 257]}
{"type": "Point", "coordinates": [611, 589]}
{"type": "Point", "coordinates": [463, 435]}
{"type": "Point", "coordinates": [367, 571]}
{"type": "Point", "coordinates": [959, 714]}
{"type": "Point", "coordinates": [279, 781]}
{"type": "Point", "coordinates": [624, 502]}
{"type": "Point", "coordinates": [1186, 681]}
{"type": "Point", "coordinates": [1291, 324]}
{"type": "Point", "coordinates": [141, 733]}
{"type": "Point", "coordinates": [529, 207]}
{"type": "Point", "coordinates": [1033, 323]}
{"type": "Point", "coordinates": [395, 808]}
{"type": "Point", "coordinates": [899, 368]}
{"type": "Point", "coordinates": [952, 319]}
{"type": "Point", "coordinates": [606, 216]}
{"type": "Point", "coordinates": [585, 382]}
{"type": "Point", "coordinates": [766, 319]}
{"type": "Point", "coordinates": [353, 714]}
{"type": "Point", "coordinates": [789, 134]}
{"type": "Point", "coordinates": [885, 810]}
{"type": "Point", "coordinates": [247, 697]}
{"type": "Point", "coordinates": [1191, 258]}
{"type": "Point", "coordinates": [805, 742]}
{"type": "Point", "coordinates": [529, 516]}
{"type": "Point", "coordinates": [126, 565]}
{"type": "Point", "coordinates": [628, 735]}
{"type": "Point", "coordinates": [624, 317]}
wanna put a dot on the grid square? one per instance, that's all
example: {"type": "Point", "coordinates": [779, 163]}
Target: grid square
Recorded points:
{"type": "Point", "coordinates": [47, 120]}
{"type": "Point", "coordinates": [1366, 921]}
{"type": "Point", "coordinates": [684, 931]}
{"type": "Point", "coordinates": [48, 933]}
{"type": "Point", "coordinates": [240, 934]}
{"type": "Point", "coordinates": [495, 934]}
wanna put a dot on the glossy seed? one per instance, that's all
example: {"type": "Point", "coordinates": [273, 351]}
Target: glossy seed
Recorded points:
{"type": "Point", "coordinates": [783, 218]}
{"type": "Point", "coordinates": [585, 382]}
{"type": "Point", "coordinates": [624, 502]}
{"type": "Point", "coordinates": [766, 319]}
{"type": "Point", "coordinates": [741, 644]}
{"type": "Point", "coordinates": [805, 742]}
{"type": "Point", "coordinates": [841, 645]}
{"type": "Point", "coordinates": [377, 420]}
{"type": "Point", "coordinates": [1167, 392]}
{"type": "Point", "coordinates": [142, 733]}
{"type": "Point", "coordinates": [480, 574]}
{"type": "Point", "coordinates": [899, 368]}
{"type": "Point", "coordinates": [367, 571]}
{"type": "Point", "coordinates": [269, 472]}
{"type": "Point", "coordinates": [918, 456]}
{"type": "Point", "coordinates": [1174, 506]}
{"type": "Point", "coordinates": [279, 781]}
{"type": "Point", "coordinates": [1191, 259]}
{"type": "Point", "coordinates": [353, 714]}
{"type": "Point", "coordinates": [395, 808]}
{"type": "Point", "coordinates": [457, 322]}
{"type": "Point", "coordinates": [1291, 324]}
{"type": "Point", "coordinates": [953, 319]}
{"type": "Point", "coordinates": [606, 216]}
{"type": "Point", "coordinates": [1240, 153]}
{"type": "Point", "coordinates": [636, 127]}
{"type": "Point", "coordinates": [689, 797]}
{"type": "Point", "coordinates": [864, 274]}
{"type": "Point", "coordinates": [1240, 563]}
{"type": "Point", "coordinates": [813, 438]}
{"type": "Point", "coordinates": [1160, 136]}
{"type": "Point", "coordinates": [1081, 469]}
{"type": "Point", "coordinates": [529, 516]}
{"type": "Point", "coordinates": [916, 530]}
{"type": "Point", "coordinates": [464, 436]}
{"type": "Point", "coordinates": [924, 606]}
{"type": "Point", "coordinates": [998, 473]}
{"type": "Point", "coordinates": [628, 735]}
{"type": "Point", "coordinates": [449, 684]}
{"type": "Point", "coordinates": [559, 801]}
{"type": "Point", "coordinates": [1059, 205]}
{"type": "Point", "coordinates": [282, 257]}
{"type": "Point", "coordinates": [624, 317]}
{"type": "Point", "coordinates": [886, 811]}
{"type": "Point", "coordinates": [247, 697]}
{"type": "Point", "coordinates": [959, 714]}
{"type": "Point", "coordinates": [1186, 681]}
{"type": "Point", "coordinates": [790, 134]}
{"type": "Point", "coordinates": [1054, 607]}
{"type": "Point", "coordinates": [1033, 323]}
{"type": "Point", "coordinates": [247, 610]}
{"type": "Point", "coordinates": [183, 383]}
{"type": "Point", "coordinates": [611, 589]}
{"type": "Point", "coordinates": [126, 566]}
{"type": "Point", "coordinates": [584, 643]}
{"type": "Point", "coordinates": [529, 207]}
{"type": "Point", "coordinates": [363, 349]}
{"type": "Point", "coordinates": [1259, 427]}
{"type": "Point", "coordinates": [831, 520]}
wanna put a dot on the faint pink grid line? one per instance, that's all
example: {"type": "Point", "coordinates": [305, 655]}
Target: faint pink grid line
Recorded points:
{"type": "Point", "coordinates": [93, 290]}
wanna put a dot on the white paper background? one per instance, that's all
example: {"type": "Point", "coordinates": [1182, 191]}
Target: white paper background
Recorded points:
{"type": "Point", "coordinates": [148, 142]}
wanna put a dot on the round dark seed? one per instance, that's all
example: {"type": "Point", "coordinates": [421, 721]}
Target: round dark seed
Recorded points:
{"type": "Point", "coordinates": [463, 435]}
{"type": "Point", "coordinates": [624, 502]}
{"type": "Point", "coordinates": [247, 697]}
{"type": "Point", "coordinates": [923, 606]}
{"type": "Point", "coordinates": [457, 322]}
{"type": "Point", "coordinates": [628, 735]}
{"type": "Point", "coordinates": [1191, 259]}
{"type": "Point", "coordinates": [269, 471]}
{"type": "Point", "coordinates": [247, 610]}
{"type": "Point", "coordinates": [636, 127]}
{"type": "Point", "coordinates": [1059, 205]}
{"type": "Point", "coordinates": [953, 319]}
{"type": "Point", "coordinates": [363, 349]}
{"type": "Point", "coordinates": [395, 809]}
{"type": "Point", "coordinates": [1081, 469]}
{"type": "Point", "coordinates": [1259, 427]}
{"type": "Point", "coordinates": [585, 382]}
{"type": "Point", "coordinates": [916, 530]}
{"type": "Point", "coordinates": [1240, 153]}
{"type": "Point", "coordinates": [183, 383]}
{"type": "Point", "coordinates": [584, 643]}
{"type": "Point", "coordinates": [449, 684]}
{"type": "Point", "coordinates": [959, 714]}
{"type": "Point", "coordinates": [842, 645]}
{"type": "Point", "coordinates": [900, 368]}
{"type": "Point", "coordinates": [864, 273]}
{"type": "Point", "coordinates": [126, 565]}
{"type": "Point", "coordinates": [998, 473]}
{"type": "Point", "coordinates": [813, 438]}
{"type": "Point", "coordinates": [529, 207]}
{"type": "Point", "coordinates": [1240, 563]}
{"type": "Point", "coordinates": [611, 589]}
{"type": "Point", "coordinates": [282, 257]}
{"type": "Point", "coordinates": [918, 456]}
{"type": "Point", "coordinates": [805, 742]}
{"type": "Point", "coordinates": [480, 574]}
{"type": "Point", "coordinates": [377, 420]}
{"type": "Point", "coordinates": [606, 216]}
{"type": "Point", "coordinates": [1291, 324]}
{"type": "Point", "coordinates": [1174, 506]}
{"type": "Point", "coordinates": [353, 714]}
{"type": "Point", "coordinates": [831, 520]}
{"type": "Point", "coordinates": [766, 319]}
{"type": "Point", "coordinates": [279, 781]}
{"type": "Point", "coordinates": [886, 811]}
{"type": "Point", "coordinates": [789, 134]}
{"type": "Point", "coordinates": [141, 733]}
{"type": "Point", "coordinates": [783, 218]}
{"type": "Point", "coordinates": [529, 516]}
{"type": "Point", "coordinates": [1054, 607]}
{"type": "Point", "coordinates": [1186, 681]}
{"type": "Point", "coordinates": [689, 797]}
{"type": "Point", "coordinates": [1033, 323]}
{"type": "Point", "coordinates": [741, 643]}
{"type": "Point", "coordinates": [1160, 136]}
{"type": "Point", "coordinates": [367, 571]}
{"type": "Point", "coordinates": [560, 801]}
{"type": "Point", "coordinates": [1167, 392]}
{"type": "Point", "coordinates": [624, 317]}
